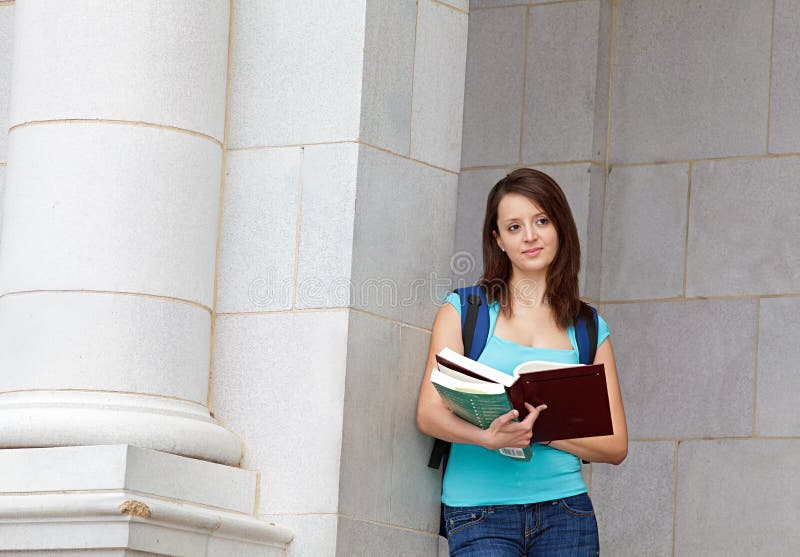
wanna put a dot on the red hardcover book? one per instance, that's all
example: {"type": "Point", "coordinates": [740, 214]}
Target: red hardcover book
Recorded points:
{"type": "Point", "coordinates": [576, 396]}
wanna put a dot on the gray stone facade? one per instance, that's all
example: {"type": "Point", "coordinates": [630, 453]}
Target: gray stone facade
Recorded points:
{"type": "Point", "coordinates": [333, 160]}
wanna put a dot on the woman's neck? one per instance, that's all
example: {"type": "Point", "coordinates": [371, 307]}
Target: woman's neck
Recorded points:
{"type": "Point", "coordinates": [528, 291]}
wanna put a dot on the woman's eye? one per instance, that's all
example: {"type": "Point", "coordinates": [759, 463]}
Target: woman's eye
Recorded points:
{"type": "Point", "coordinates": [513, 227]}
{"type": "Point", "coordinates": [542, 221]}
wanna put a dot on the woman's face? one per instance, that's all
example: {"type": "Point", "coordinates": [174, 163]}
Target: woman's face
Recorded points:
{"type": "Point", "coordinates": [526, 234]}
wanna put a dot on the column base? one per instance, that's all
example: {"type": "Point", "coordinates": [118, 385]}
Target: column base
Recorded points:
{"type": "Point", "coordinates": [119, 500]}
{"type": "Point", "coordinates": [76, 418]}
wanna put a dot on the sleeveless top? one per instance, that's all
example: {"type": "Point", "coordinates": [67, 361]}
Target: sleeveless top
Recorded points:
{"type": "Point", "coordinates": [478, 476]}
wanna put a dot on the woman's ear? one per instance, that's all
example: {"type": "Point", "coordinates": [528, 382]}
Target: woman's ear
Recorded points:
{"type": "Point", "coordinates": [499, 241]}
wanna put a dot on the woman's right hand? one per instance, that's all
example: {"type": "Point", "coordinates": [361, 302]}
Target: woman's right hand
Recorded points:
{"type": "Point", "coordinates": [505, 432]}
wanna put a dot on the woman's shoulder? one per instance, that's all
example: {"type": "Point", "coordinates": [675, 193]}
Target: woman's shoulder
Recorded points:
{"type": "Point", "coordinates": [454, 299]}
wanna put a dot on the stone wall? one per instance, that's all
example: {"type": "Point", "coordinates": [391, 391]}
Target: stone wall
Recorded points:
{"type": "Point", "coordinates": [6, 43]}
{"type": "Point", "coordinates": [689, 239]}
{"type": "Point", "coordinates": [342, 155]}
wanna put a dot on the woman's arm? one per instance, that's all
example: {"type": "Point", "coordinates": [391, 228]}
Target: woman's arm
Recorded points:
{"type": "Point", "coordinates": [610, 448]}
{"type": "Point", "coordinates": [436, 420]}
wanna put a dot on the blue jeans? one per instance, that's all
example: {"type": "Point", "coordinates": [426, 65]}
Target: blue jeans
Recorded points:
{"type": "Point", "coordinates": [559, 528]}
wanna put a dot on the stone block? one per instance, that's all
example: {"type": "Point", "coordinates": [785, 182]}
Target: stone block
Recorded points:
{"type": "Point", "coordinates": [403, 237]}
{"type": "Point", "coordinates": [112, 208]}
{"type": "Point", "coordinates": [315, 534]}
{"type": "Point", "coordinates": [778, 377]}
{"type": "Point", "coordinates": [644, 239]}
{"type": "Point", "coordinates": [256, 269]}
{"type": "Point", "coordinates": [73, 340]}
{"type": "Point", "coordinates": [6, 51]}
{"type": "Point", "coordinates": [591, 254]}
{"type": "Point", "coordinates": [364, 539]}
{"type": "Point", "coordinates": [561, 75]}
{"type": "Point", "coordinates": [125, 467]}
{"type": "Point", "coordinates": [157, 62]}
{"type": "Point", "coordinates": [296, 72]}
{"type": "Point", "coordinates": [737, 498]}
{"type": "Point", "coordinates": [690, 79]}
{"type": "Point", "coordinates": [462, 5]}
{"type": "Point", "coordinates": [278, 381]}
{"type": "Point", "coordinates": [388, 66]}
{"type": "Point", "coordinates": [325, 256]}
{"type": "Point", "coordinates": [601, 94]}
{"type": "Point", "coordinates": [416, 489]}
{"type": "Point", "coordinates": [633, 501]}
{"type": "Point", "coordinates": [368, 431]}
{"type": "Point", "coordinates": [784, 136]}
{"type": "Point", "coordinates": [495, 54]}
{"type": "Point", "coordinates": [742, 228]}
{"type": "Point", "coordinates": [2, 196]}
{"type": "Point", "coordinates": [439, 73]}
{"type": "Point", "coordinates": [685, 368]}
{"type": "Point", "coordinates": [473, 188]}
{"type": "Point", "coordinates": [479, 4]}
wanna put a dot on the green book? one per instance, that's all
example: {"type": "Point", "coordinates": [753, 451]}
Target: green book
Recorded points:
{"type": "Point", "coordinates": [477, 402]}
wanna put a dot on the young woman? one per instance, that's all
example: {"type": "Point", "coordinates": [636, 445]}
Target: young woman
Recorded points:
{"type": "Point", "coordinates": [495, 506]}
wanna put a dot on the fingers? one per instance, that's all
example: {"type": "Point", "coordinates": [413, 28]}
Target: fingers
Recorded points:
{"type": "Point", "coordinates": [533, 413]}
{"type": "Point", "coordinates": [506, 418]}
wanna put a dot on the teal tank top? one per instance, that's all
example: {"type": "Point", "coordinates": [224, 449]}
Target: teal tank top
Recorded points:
{"type": "Point", "coordinates": [478, 476]}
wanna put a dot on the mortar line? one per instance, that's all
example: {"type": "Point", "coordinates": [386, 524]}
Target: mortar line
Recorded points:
{"type": "Point", "coordinates": [674, 494]}
{"type": "Point", "coordinates": [607, 158]}
{"type": "Point", "coordinates": [711, 159]}
{"type": "Point", "coordinates": [446, 5]}
{"type": "Point", "coordinates": [220, 208]}
{"type": "Point", "coordinates": [686, 230]}
{"type": "Point", "coordinates": [388, 524]}
{"type": "Point", "coordinates": [105, 391]}
{"type": "Point", "coordinates": [529, 164]}
{"type": "Point", "coordinates": [524, 78]}
{"type": "Point", "coordinates": [134, 123]}
{"type": "Point", "coordinates": [413, 69]}
{"type": "Point", "coordinates": [298, 220]}
{"type": "Point", "coordinates": [769, 82]}
{"type": "Point", "coordinates": [355, 142]}
{"type": "Point", "coordinates": [694, 299]}
{"type": "Point", "coordinates": [327, 310]}
{"type": "Point", "coordinates": [115, 292]}
{"type": "Point", "coordinates": [755, 366]}
{"type": "Point", "coordinates": [281, 311]}
{"type": "Point", "coordinates": [525, 5]}
{"type": "Point", "coordinates": [423, 163]}
{"type": "Point", "coordinates": [289, 145]}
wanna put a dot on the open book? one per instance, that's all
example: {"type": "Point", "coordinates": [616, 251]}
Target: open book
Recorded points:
{"type": "Point", "coordinates": [576, 396]}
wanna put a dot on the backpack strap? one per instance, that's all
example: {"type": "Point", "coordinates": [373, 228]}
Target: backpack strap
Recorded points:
{"type": "Point", "coordinates": [474, 333]}
{"type": "Point", "coordinates": [586, 336]}
{"type": "Point", "coordinates": [586, 333]}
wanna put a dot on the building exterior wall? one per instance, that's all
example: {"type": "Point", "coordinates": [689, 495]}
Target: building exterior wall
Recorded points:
{"type": "Point", "coordinates": [689, 241]}
{"type": "Point", "coordinates": [350, 192]}
{"type": "Point", "coordinates": [342, 155]}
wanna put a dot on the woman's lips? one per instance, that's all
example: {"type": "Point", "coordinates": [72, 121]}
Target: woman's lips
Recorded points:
{"type": "Point", "coordinates": [532, 252]}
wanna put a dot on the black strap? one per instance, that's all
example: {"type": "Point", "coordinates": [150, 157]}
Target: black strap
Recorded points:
{"type": "Point", "coordinates": [468, 331]}
{"type": "Point", "coordinates": [590, 315]}
{"type": "Point", "coordinates": [589, 318]}
{"type": "Point", "coordinates": [441, 449]}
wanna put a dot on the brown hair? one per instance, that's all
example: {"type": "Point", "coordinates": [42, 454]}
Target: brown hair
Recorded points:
{"type": "Point", "coordinates": [562, 276]}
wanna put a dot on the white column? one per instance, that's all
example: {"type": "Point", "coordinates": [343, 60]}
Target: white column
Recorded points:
{"type": "Point", "coordinates": [110, 225]}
